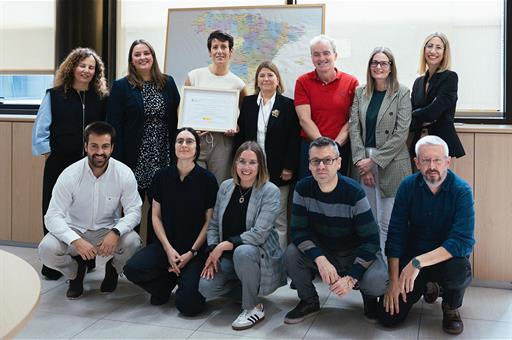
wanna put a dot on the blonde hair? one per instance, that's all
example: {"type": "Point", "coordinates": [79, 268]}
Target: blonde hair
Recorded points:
{"type": "Point", "coordinates": [65, 75]}
{"type": "Point", "coordinates": [392, 84]}
{"type": "Point", "coordinates": [446, 63]}
{"type": "Point", "coordinates": [262, 176]}
{"type": "Point", "coordinates": [272, 67]}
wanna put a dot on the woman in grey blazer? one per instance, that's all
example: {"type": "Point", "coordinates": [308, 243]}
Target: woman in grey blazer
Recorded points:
{"type": "Point", "coordinates": [242, 240]}
{"type": "Point", "coordinates": [379, 125]}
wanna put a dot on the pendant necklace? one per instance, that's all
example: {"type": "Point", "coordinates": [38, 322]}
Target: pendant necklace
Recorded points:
{"type": "Point", "coordinates": [243, 194]}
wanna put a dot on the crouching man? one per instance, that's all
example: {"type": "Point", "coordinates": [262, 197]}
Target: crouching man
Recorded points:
{"type": "Point", "coordinates": [84, 216]}
{"type": "Point", "coordinates": [430, 237]}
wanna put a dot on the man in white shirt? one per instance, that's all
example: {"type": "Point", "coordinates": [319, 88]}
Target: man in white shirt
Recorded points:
{"type": "Point", "coordinates": [84, 216]}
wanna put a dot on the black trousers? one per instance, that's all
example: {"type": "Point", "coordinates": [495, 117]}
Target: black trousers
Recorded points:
{"type": "Point", "coordinates": [454, 275]}
{"type": "Point", "coordinates": [148, 268]}
{"type": "Point", "coordinates": [150, 234]}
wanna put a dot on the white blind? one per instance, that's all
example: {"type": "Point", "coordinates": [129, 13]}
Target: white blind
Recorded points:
{"type": "Point", "coordinates": [27, 35]}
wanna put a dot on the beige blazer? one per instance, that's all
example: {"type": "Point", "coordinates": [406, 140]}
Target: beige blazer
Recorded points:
{"type": "Point", "coordinates": [391, 133]}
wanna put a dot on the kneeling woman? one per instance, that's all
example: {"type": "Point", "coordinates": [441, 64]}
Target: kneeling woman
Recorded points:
{"type": "Point", "coordinates": [244, 244]}
{"type": "Point", "coordinates": [183, 199]}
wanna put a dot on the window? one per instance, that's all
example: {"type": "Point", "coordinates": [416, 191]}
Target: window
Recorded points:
{"type": "Point", "coordinates": [475, 30]}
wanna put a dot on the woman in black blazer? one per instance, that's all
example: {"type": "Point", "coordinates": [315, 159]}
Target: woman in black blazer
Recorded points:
{"type": "Point", "coordinates": [143, 109]}
{"type": "Point", "coordinates": [434, 95]}
{"type": "Point", "coordinates": [269, 118]}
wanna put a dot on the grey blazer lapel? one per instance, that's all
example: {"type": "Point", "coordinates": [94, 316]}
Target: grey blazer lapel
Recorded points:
{"type": "Point", "coordinates": [253, 205]}
{"type": "Point", "coordinates": [385, 106]}
{"type": "Point", "coordinates": [364, 102]}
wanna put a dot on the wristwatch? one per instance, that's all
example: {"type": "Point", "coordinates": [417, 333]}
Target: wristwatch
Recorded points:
{"type": "Point", "coordinates": [116, 231]}
{"type": "Point", "coordinates": [416, 263]}
{"type": "Point", "coordinates": [193, 251]}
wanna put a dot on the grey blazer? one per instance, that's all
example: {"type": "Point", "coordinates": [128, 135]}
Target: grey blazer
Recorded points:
{"type": "Point", "coordinates": [262, 212]}
{"type": "Point", "coordinates": [391, 133]}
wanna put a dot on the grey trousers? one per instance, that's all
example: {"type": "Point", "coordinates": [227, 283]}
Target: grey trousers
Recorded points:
{"type": "Point", "coordinates": [301, 269]}
{"type": "Point", "coordinates": [243, 271]}
{"type": "Point", "coordinates": [58, 255]}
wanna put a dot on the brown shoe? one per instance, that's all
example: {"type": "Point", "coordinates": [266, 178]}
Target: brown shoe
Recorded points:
{"type": "Point", "coordinates": [76, 286]}
{"type": "Point", "coordinates": [452, 323]}
{"type": "Point", "coordinates": [432, 292]}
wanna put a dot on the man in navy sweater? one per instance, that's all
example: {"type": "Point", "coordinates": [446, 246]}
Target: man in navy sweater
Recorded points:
{"type": "Point", "coordinates": [334, 234]}
{"type": "Point", "coordinates": [430, 237]}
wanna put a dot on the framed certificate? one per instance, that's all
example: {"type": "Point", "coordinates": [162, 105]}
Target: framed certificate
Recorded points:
{"type": "Point", "coordinates": [207, 109]}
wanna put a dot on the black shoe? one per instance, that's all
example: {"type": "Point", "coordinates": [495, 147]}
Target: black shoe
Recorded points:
{"type": "Point", "coordinates": [370, 305]}
{"type": "Point", "coordinates": [302, 311]}
{"type": "Point", "coordinates": [91, 265]}
{"type": "Point", "coordinates": [158, 300]}
{"type": "Point", "coordinates": [109, 283]}
{"type": "Point", "coordinates": [50, 274]}
{"type": "Point", "coordinates": [76, 286]}
{"type": "Point", "coordinates": [452, 323]}
{"type": "Point", "coordinates": [431, 293]}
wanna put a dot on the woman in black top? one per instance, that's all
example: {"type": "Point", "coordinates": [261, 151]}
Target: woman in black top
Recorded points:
{"type": "Point", "coordinates": [77, 99]}
{"type": "Point", "coordinates": [434, 95]}
{"type": "Point", "coordinates": [183, 201]}
{"type": "Point", "coordinates": [143, 109]}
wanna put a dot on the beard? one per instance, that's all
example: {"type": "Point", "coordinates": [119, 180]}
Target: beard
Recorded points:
{"type": "Point", "coordinates": [434, 182]}
{"type": "Point", "coordinates": [98, 161]}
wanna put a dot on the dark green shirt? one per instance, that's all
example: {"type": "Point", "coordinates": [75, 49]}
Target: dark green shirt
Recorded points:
{"type": "Point", "coordinates": [371, 117]}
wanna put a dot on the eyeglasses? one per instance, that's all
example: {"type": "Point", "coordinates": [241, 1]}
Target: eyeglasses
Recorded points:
{"type": "Point", "coordinates": [187, 141]}
{"type": "Point", "coordinates": [326, 161]}
{"type": "Point", "coordinates": [383, 64]}
{"type": "Point", "coordinates": [428, 161]}
{"type": "Point", "coordinates": [433, 47]}
{"type": "Point", "coordinates": [243, 162]}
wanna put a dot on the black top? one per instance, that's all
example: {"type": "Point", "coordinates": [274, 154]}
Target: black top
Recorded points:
{"type": "Point", "coordinates": [436, 107]}
{"type": "Point", "coordinates": [71, 113]}
{"type": "Point", "coordinates": [184, 203]}
{"type": "Point", "coordinates": [235, 215]}
{"type": "Point", "coordinates": [282, 139]}
{"type": "Point", "coordinates": [371, 117]}
{"type": "Point", "coordinates": [126, 113]}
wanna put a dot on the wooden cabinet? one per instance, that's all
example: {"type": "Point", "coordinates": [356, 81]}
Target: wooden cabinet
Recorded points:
{"type": "Point", "coordinates": [5, 180]}
{"type": "Point", "coordinates": [493, 204]}
{"type": "Point", "coordinates": [27, 184]}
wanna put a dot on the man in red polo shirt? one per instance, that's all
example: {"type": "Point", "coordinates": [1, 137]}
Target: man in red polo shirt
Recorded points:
{"type": "Point", "coordinates": [323, 98]}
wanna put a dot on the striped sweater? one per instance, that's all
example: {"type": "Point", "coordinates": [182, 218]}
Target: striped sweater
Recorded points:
{"type": "Point", "coordinates": [338, 221]}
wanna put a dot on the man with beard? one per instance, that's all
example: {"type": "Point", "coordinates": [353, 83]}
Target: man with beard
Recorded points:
{"type": "Point", "coordinates": [430, 237]}
{"type": "Point", "coordinates": [84, 217]}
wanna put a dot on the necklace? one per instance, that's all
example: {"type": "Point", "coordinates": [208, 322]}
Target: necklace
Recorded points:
{"type": "Point", "coordinates": [243, 194]}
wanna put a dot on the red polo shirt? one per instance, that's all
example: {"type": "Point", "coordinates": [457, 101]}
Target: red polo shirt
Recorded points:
{"type": "Point", "coordinates": [330, 103]}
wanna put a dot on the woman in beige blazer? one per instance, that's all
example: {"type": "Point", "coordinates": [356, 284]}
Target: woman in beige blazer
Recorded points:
{"type": "Point", "coordinates": [379, 125]}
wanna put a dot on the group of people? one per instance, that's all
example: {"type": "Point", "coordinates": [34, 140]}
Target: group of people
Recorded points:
{"type": "Point", "coordinates": [219, 221]}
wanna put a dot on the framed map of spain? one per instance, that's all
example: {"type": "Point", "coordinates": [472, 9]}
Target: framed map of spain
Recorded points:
{"type": "Point", "coordinates": [280, 34]}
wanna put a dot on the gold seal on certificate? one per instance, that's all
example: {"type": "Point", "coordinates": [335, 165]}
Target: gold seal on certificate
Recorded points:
{"type": "Point", "coordinates": [207, 109]}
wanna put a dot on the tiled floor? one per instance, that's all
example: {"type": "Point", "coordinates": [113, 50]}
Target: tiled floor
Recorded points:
{"type": "Point", "coordinates": [127, 314]}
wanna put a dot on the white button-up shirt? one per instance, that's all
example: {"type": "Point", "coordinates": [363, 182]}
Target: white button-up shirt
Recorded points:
{"type": "Point", "coordinates": [82, 201]}
{"type": "Point", "coordinates": [263, 118]}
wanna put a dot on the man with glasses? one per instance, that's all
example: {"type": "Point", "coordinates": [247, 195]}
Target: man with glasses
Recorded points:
{"type": "Point", "coordinates": [334, 234]}
{"type": "Point", "coordinates": [430, 237]}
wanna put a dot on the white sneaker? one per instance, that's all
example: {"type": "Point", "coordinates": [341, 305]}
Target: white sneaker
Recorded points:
{"type": "Point", "coordinates": [248, 318]}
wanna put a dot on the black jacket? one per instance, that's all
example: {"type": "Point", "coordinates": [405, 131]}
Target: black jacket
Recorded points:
{"type": "Point", "coordinates": [436, 106]}
{"type": "Point", "coordinates": [126, 113]}
{"type": "Point", "coordinates": [282, 138]}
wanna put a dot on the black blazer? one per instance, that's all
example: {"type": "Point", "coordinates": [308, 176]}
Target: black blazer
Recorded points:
{"type": "Point", "coordinates": [436, 106]}
{"type": "Point", "coordinates": [282, 138]}
{"type": "Point", "coordinates": [126, 113]}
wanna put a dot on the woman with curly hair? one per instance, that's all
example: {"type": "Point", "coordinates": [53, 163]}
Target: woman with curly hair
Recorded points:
{"type": "Point", "coordinates": [77, 99]}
